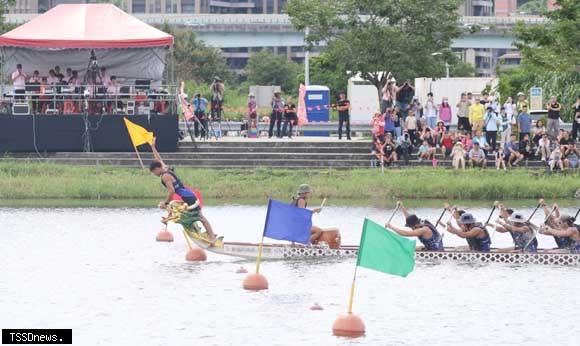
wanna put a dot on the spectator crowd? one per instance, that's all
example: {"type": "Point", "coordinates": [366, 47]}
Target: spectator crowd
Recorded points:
{"type": "Point", "coordinates": [487, 130]}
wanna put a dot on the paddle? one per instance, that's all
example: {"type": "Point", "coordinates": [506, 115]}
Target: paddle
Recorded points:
{"type": "Point", "coordinates": [577, 213]}
{"type": "Point", "coordinates": [448, 220]}
{"type": "Point", "coordinates": [445, 208]}
{"type": "Point", "coordinates": [538, 228]}
{"type": "Point", "coordinates": [540, 204]}
{"type": "Point", "coordinates": [394, 212]}
{"type": "Point", "coordinates": [495, 204]}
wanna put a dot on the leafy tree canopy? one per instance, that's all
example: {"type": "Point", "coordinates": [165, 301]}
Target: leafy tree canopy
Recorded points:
{"type": "Point", "coordinates": [266, 68]}
{"type": "Point", "coordinates": [372, 36]}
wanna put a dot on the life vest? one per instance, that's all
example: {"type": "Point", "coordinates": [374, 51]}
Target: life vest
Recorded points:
{"type": "Point", "coordinates": [481, 244]}
{"type": "Point", "coordinates": [435, 243]}
{"type": "Point", "coordinates": [575, 244]}
{"type": "Point", "coordinates": [522, 239]}
{"type": "Point", "coordinates": [183, 192]}
{"type": "Point", "coordinates": [295, 200]}
{"type": "Point", "coordinates": [563, 242]}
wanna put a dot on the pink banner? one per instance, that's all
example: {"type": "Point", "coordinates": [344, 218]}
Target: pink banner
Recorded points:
{"type": "Point", "coordinates": [302, 117]}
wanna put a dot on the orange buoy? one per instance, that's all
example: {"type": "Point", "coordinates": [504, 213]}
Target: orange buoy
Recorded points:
{"type": "Point", "coordinates": [241, 270]}
{"type": "Point", "coordinates": [255, 282]}
{"type": "Point", "coordinates": [164, 235]}
{"type": "Point", "coordinates": [316, 307]}
{"type": "Point", "coordinates": [195, 254]}
{"type": "Point", "coordinates": [349, 325]}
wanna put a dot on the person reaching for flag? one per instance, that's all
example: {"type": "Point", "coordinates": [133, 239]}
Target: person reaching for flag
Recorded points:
{"type": "Point", "coordinates": [174, 186]}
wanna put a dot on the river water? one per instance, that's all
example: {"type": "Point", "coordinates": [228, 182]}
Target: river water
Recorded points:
{"type": "Point", "coordinates": [100, 272]}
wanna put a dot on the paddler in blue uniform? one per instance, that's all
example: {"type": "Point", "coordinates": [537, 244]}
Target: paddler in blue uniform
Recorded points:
{"type": "Point", "coordinates": [521, 232]}
{"type": "Point", "coordinates": [566, 229]}
{"type": "Point", "coordinates": [422, 229]}
{"type": "Point", "coordinates": [174, 186]}
{"type": "Point", "coordinates": [474, 232]}
{"type": "Point", "coordinates": [553, 220]}
{"type": "Point", "coordinates": [518, 228]}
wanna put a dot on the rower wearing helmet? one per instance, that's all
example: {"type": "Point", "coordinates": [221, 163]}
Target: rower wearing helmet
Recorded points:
{"type": "Point", "coordinates": [566, 229]}
{"type": "Point", "coordinates": [301, 201]}
{"type": "Point", "coordinates": [424, 230]}
{"type": "Point", "coordinates": [474, 232]}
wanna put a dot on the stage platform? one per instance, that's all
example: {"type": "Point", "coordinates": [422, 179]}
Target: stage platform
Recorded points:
{"type": "Point", "coordinates": [77, 133]}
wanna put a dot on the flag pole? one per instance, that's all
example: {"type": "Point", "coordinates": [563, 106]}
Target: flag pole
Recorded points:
{"type": "Point", "coordinates": [259, 258]}
{"type": "Point", "coordinates": [351, 297]}
{"type": "Point", "coordinates": [139, 157]}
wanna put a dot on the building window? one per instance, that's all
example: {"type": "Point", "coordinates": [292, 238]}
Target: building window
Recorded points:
{"type": "Point", "coordinates": [139, 6]}
{"type": "Point", "coordinates": [187, 6]}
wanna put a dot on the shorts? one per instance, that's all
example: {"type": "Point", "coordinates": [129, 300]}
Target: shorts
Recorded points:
{"type": "Point", "coordinates": [190, 200]}
{"type": "Point", "coordinates": [573, 163]}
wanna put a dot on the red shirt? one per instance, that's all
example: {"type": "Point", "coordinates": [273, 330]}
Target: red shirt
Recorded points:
{"type": "Point", "coordinates": [447, 142]}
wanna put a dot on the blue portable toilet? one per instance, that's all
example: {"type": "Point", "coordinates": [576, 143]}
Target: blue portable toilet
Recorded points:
{"type": "Point", "coordinates": [317, 102]}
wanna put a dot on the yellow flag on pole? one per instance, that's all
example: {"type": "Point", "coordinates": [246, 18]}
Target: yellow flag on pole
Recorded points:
{"type": "Point", "coordinates": [138, 134]}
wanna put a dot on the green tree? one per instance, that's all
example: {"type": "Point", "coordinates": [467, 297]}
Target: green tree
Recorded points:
{"type": "Point", "coordinates": [550, 56]}
{"type": "Point", "coordinates": [371, 36]}
{"type": "Point", "coordinates": [194, 60]}
{"type": "Point", "coordinates": [266, 68]}
{"type": "Point", "coordinates": [555, 45]}
{"type": "Point", "coordinates": [4, 5]}
{"type": "Point", "coordinates": [533, 7]}
{"type": "Point", "coordinates": [462, 69]}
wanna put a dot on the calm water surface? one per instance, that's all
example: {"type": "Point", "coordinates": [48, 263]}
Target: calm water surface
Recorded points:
{"type": "Point", "coordinates": [100, 272]}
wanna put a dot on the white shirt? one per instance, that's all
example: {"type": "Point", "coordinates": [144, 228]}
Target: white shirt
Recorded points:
{"type": "Point", "coordinates": [105, 78]}
{"type": "Point", "coordinates": [430, 109]}
{"type": "Point", "coordinates": [18, 80]}
{"type": "Point", "coordinates": [52, 80]}
{"type": "Point", "coordinates": [509, 109]}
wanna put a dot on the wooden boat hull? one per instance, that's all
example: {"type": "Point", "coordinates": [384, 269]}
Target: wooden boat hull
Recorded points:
{"type": "Point", "coordinates": [298, 252]}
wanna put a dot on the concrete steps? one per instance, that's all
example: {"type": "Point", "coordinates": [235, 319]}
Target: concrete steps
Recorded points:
{"type": "Point", "coordinates": [247, 154]}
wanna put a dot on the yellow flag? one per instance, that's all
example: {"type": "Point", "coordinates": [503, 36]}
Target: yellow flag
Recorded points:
{"type": "Point", "coordinates": [138, 134]}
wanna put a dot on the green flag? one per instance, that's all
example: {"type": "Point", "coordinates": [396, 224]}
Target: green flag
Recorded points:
{"type": "Point", "coordinates": [385, 251]}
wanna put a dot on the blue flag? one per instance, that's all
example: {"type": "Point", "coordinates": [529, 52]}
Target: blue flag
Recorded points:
{"type": "Point", "coordinates": [287, 222]}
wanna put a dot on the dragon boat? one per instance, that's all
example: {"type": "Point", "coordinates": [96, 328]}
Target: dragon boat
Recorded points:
{"type": "Point", "coordinates": [194, 231]}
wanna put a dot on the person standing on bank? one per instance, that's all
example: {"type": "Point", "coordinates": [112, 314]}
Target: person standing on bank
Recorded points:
{"type": "Point", "coordinates": [463, 114]}
{"type": "Point", "coordinates": [343, 106]}
{"type": "Point", "coordinates": [553, 117]}
{"type": "Point", "coordinates": [576, 120]}
{"type": "Point", "coordinates": [19, 82]}
{"type": "Point", "coordinates": [289, 117]}
{"type": "Point", "coordinates": [276, 115]}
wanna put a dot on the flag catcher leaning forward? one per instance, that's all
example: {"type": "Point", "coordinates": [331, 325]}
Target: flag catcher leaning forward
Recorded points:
{"type": "Point", "coordinates": [174, 186]}
{"type": "Point", "coordinates": [331, 235]}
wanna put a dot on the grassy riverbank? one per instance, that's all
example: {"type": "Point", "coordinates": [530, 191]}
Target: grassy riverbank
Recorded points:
{"type": "Point", "coordinates": [21, 181]}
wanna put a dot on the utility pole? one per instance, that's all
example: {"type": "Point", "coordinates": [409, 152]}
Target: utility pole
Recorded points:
{"type": "Point", "coordinates": [306, 59]}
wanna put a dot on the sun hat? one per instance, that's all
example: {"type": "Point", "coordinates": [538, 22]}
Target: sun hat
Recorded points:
{"type": "Point", "coordinates": [304, 188]}
{"type": "Point", "coordinates": [412, 220]}
{"type": "Point", "coordinates": [466, 219]}
{"type": "Point", "coordinates": [251, 95]}
{"type": "Point", "coordinates": [517, 218]}
{"type": "Point", "coordinates": [520, 94]}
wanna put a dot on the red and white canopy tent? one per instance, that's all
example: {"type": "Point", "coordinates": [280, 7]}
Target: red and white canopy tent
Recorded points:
{"type": "Point", "coordinates": [65, 35]}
